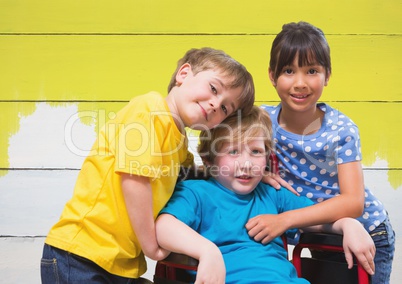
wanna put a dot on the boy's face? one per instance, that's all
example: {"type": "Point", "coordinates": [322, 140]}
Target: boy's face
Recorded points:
{"type": "Point", "coordinates": [204, 100]}
{"type": "Point", "coordinates": [240, 166]}
{"type": "Point", "coordinates": [300, 87]}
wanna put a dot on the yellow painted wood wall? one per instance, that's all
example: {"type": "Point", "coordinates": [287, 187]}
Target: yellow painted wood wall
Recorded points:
{"type": "Point", "coordinates": [93, 56]}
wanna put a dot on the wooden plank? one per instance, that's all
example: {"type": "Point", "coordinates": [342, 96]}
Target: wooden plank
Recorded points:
{"type": "Point", "coordinates": [20, 260]}
{"type": "Point", "coordinates": [59, 135]}
{"type": "Point", "coordinates": [32, 201]}
{"type": "Point", "coordinates": [255, 16]}
{"type": "Point", "coordinates": [120, 67]}
{"type": "Point", "coordinates": [377, 123]}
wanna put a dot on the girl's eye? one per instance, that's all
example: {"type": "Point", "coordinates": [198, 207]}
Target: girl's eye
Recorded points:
{"type": "Point", "coordinates": [312, 71]}
{"type": "Point", "coordinates": [225, 110]}
{"type": "Point", "coordinates": [287, 71]}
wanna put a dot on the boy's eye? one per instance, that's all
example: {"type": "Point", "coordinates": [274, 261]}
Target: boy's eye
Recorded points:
{"type": "Point", "coordinates": [213, 89]}
{"type": "Point", "coordinates": [257, 152]}
{"type": "Point", "coordinates": [233, 152]}
{"type": "Point", "coordinates": [225, 110]}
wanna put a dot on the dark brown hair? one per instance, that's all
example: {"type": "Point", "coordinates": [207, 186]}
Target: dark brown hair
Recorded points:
{"type": "Point", "coordinates": [303, 40]}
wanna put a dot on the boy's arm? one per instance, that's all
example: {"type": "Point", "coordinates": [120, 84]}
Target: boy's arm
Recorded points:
{"type": "Point", "coordinates": [176, 236]}
{"type": "Point", "coordinates": [356, 241]}
{"type": "Point", "coordinates": [138, 198]}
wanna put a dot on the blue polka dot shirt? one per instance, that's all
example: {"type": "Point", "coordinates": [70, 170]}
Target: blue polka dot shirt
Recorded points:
{"type": "Point", "coordinates": [309, 162]}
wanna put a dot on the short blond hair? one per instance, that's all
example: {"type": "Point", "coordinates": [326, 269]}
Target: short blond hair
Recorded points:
{"type": "Point", "coordinates": [208, 58]}
{"type": "Point", "coordinates": [236, 129]}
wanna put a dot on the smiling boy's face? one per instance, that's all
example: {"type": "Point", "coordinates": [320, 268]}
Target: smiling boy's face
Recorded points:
{"type": "Point", "coordinates": [240, 166]}
{"type": "Point", "coordinates": [204, 100]}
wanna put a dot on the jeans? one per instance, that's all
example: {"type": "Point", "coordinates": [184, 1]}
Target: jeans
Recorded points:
{"type": "Point", "coordinates": [61, 267]}
{"type": "Point", "coordinates": [384, 239]}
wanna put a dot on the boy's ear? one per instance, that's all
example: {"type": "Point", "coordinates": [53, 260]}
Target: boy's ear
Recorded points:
{"type": "Point", "coordinates": [272, 77]}
{"type": "Point", "coordinates": [182, 73]}
{"type": "Point", "coordinates": [206, 162]}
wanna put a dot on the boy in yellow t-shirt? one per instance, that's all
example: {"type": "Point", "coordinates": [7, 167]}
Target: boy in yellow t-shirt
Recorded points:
{"type": "Point", "coordinates": [108, 225]}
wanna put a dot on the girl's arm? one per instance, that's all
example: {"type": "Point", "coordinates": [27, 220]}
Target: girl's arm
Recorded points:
{"type": "Point", "coordinates": [176, 236]}
{"type": "Point", "coordinates": [349, 203]}
{"type": "Point", "coordinates": [356, 241]}
{"type": "Point", "coordinates": [138, 197]}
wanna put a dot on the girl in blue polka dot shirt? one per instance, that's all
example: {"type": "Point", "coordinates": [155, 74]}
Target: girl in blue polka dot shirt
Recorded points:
{"type": "Point", "coordinates": [318, 147]}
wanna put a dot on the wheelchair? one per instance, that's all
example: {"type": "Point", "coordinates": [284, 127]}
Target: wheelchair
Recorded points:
{"type": "Point", "coordinates": [174, 269]}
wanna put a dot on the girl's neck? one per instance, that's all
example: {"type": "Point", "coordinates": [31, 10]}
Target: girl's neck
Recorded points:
{"type": "Point", "coordinates": [302, 123]}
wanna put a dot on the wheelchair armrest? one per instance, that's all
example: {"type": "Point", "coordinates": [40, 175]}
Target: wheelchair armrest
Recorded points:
{"type": "Point", "coordinates": [326, 242]}
{"type": "Point", "coordinates": [321, 239]}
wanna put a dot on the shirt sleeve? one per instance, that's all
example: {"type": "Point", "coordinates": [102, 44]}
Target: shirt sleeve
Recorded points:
{"type": "Point", "coordinates": [135, 144]}
{"type": "Point", "coordinates": [287, 201]}
{"type": "Point", "coordinates": [349, 148]}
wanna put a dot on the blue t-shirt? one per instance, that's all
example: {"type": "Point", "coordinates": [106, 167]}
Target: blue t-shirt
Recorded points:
{"type": "Point", "coordinates": [309, 162]}
{"type": "Point", "coordinates": [220, 215]}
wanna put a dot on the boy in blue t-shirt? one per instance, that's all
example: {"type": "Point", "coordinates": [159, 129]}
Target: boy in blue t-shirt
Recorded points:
{"type": "Point", "coordinates": [206, 219]}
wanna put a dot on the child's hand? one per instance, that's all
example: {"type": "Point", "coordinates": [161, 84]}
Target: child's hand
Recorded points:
{"type": "Point", "coordinates": [264, 228]}
{"type": "Point", "coordinates": [357, 242]}
{"type": "Point", "coordinates": [276, 181]}
{"type": "Point", "coordinates": [211, 268]}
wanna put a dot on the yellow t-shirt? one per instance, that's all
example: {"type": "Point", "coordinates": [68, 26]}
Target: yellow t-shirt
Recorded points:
{"type": "Point", "coordinates": [143, 140]}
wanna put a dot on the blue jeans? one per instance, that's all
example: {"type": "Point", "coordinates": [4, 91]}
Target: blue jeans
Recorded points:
{"type": "Point", "coordinates": [60, 267]}
{"type": "Point", "coordinates": [384, 239]}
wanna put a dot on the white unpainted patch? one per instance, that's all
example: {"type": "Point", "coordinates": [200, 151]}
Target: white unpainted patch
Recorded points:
{"type": "Point", "coordinates": [52, 137]}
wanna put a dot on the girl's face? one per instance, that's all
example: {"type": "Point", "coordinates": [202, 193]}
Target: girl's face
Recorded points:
{"type": "Point", "coordinates": [204, 100]}
{"type": "Point", "coordinates": [240, 166]}
{"type": "Point", "coordinates": [300, 87]}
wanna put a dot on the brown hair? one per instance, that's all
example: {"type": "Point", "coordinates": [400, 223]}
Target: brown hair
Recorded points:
{"type": "Point", "coordinates": [208, 58]}
{"type": "Point", "coordinates": [303, 40]}
{"type": "Point", "coordinates": [236, 129]}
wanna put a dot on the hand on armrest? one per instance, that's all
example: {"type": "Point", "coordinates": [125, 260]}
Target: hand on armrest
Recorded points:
{"type": "Point", "coordinates": [356, 241]}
